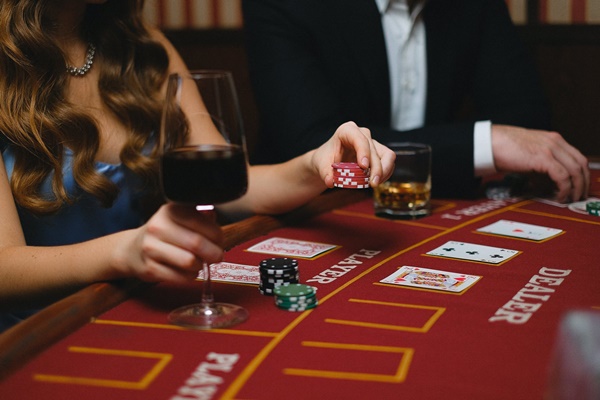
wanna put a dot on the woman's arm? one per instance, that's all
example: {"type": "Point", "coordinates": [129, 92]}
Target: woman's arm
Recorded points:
{"type": "Point", "coordinates": [279, 188]}
{"type": "Point", "coordinates": [167, 248]}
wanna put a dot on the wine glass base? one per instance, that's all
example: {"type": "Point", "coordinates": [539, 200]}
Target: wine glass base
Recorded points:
{"type": "Point", "coordinates": [214, 316]}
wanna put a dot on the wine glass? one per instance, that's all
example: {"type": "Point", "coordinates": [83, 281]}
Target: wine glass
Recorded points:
{"type": "Point", "coordinates": [205, 104]}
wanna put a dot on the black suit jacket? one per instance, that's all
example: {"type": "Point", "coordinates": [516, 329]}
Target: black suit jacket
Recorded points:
{"type": "Point", "coordinates": [315, 64]}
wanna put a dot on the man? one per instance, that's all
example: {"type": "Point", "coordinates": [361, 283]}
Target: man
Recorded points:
{"type": "Point", "coordinates": [450, 73]}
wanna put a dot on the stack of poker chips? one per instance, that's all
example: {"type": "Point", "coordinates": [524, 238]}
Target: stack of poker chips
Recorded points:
{"type": "Point", "coordinates": [593, 208]}
{"type": "Point", "coordinates": [296, 297]}
{"type": "Point", "coordinates": [349, 175]}
{"type": "Point", "coordinates": [275, 272]}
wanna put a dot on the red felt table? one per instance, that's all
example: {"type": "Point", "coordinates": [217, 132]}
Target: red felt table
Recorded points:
{"type": "Point", "coordinates": [365, 339]}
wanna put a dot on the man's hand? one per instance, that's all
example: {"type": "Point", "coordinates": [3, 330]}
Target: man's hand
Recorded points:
{"type": "Point", "coordinates": [526, 150]}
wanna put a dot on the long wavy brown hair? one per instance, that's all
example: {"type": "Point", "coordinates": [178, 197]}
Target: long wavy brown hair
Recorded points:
{"type": "Point", "coordinates": [39, 122]}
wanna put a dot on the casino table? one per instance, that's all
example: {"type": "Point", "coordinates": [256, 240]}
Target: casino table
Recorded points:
{"type": "Point", "coordinates": [365, 339]}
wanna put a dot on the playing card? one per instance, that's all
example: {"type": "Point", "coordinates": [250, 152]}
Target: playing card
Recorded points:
{"type": "Point", "coordinates": [431, 279]}
{"type": "Point", "coordinates": [229, 272]}
{"type": "Point", "coordinates": [290, 247]}
{"type": "Point", "coordinates": [520, 230]}
{"type": "Point", "coordinates": [473, 252]}
{"type": "Point", "coordinates": [551, 202]}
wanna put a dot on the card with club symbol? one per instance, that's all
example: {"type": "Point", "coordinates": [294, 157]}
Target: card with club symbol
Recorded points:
{"type": "Point", "coordinates": [473, 252]}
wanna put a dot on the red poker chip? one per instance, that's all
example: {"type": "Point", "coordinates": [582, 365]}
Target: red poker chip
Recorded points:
{"type": "Point", "coordinates": [350, 180]}
{"type": "Point", "coordinates": [354, 177]}
{"type": "Point", "coordinates": [346, 186]}
{"type": "Point", "coordinates": [351, 170]}
{"type": "Point", "coordinates": [351, 175]}
{"type": "Point", "coordinates": [354, 173]}
{"type": "Point", "coordinates": [353, 183]}
{"type": "Point", "coordinates": [346, 165]}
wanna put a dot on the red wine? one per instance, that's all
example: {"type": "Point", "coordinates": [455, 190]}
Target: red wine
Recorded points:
{"type": "Point", "coordinates": [204, 174]}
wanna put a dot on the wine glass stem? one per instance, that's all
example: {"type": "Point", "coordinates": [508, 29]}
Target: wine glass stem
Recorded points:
{"type": "Point", "coordinates": [207, 294]}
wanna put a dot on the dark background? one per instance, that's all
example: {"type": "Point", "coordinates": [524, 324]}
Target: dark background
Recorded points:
{"type": "Point", "coordinates": [567, 57]}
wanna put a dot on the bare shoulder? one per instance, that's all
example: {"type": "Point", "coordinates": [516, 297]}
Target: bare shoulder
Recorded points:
{"type": "Point", "coordinates": [159, 36]}
{"type": "Point", "coordinates": [176, 63]}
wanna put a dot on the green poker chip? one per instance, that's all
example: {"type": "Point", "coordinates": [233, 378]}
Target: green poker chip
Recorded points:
{"type": "Point", "coordinates": [593, 208]}
{"type": "Point", "coordinates": [295, 297]}
{"type": "Point", "coordinates": [287, 303]}
{"type": "Point", "coordinates": [300, 308]}
{"type": "Point", "coordinates": [294, 290]}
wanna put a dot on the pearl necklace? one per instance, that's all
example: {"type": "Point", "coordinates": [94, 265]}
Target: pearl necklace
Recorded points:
{"type": "Point", "coordinates": [89, 60]}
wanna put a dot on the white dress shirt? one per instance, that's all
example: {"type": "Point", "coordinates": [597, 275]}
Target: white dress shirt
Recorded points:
{"type": "Point", "coordinates": [404, 32]}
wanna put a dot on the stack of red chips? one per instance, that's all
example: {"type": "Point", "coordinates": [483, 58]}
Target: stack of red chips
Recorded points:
{"type": "Point", "coordinates": [350, 175]}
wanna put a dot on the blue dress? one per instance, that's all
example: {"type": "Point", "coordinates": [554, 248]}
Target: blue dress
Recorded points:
{"type": "Point", "coordinates": [85, 219]}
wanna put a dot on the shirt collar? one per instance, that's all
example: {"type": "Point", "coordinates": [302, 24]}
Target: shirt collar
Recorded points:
{"type": "Point", "coordinates": [383, 5]}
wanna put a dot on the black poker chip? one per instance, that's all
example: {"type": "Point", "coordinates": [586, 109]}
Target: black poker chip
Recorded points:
{"type": "Point", "coordinates": [277, 271]}
{"type": "Point", "coordinates": [280, 281]}
{"type": "Point", "coordinates": [278, 263]}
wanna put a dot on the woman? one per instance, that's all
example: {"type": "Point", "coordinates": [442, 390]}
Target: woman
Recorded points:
{"type": "Point", "coordinates": [81, 84]}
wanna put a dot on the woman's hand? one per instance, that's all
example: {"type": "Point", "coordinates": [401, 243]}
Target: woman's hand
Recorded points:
{"type": "Point", "coordinates": [278, 188]}
{"type": "Point", "coordinates": [351, 143]}
{"type": "Point", "coordinates": [172, 245]}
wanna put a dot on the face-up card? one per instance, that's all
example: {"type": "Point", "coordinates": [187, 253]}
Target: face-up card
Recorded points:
{"type": "Point", "coordinates": [431, 279]}
{"type": "Point", "coordinates": [291, 248]}
{"type": "Point", "coordinates": [520, 230]}
{"type": "Point", "coordinates": [237, 273]}
{"type": "Point", "coordinates": [473, 252]}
